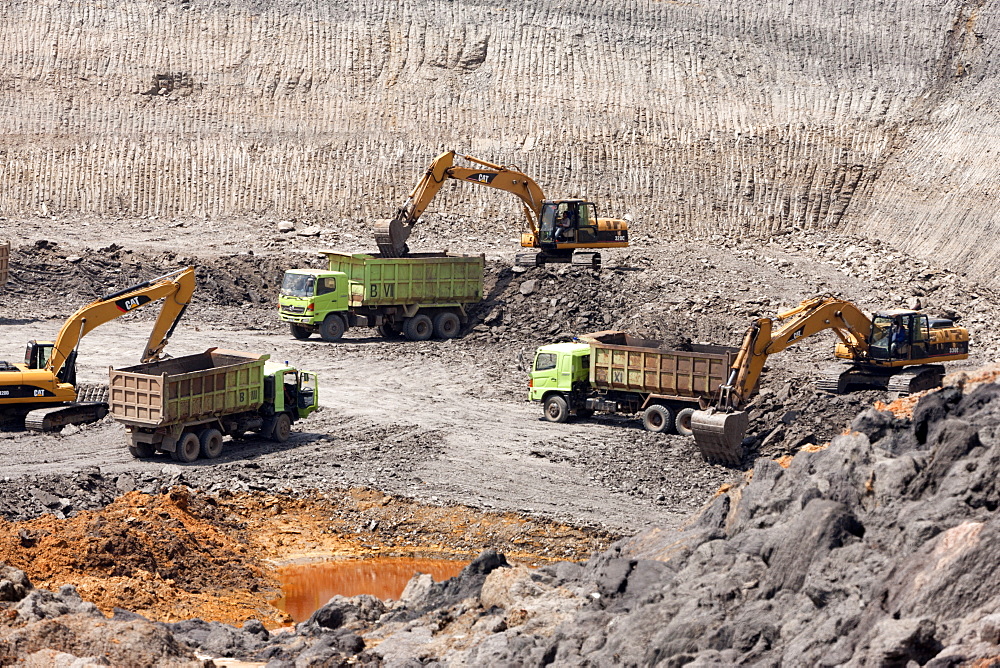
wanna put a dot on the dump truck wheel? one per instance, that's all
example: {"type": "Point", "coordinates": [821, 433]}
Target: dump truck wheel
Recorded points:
{"type": "Point", "coordinates": [282, 428]}
{"type": "Point", "coordinates": [556, 409]}
{"type": "Point", "coordinates": [418, 328]}
{"type": "Point", "coordinates": [682, 423]}
{"type": "Point", "coordinates": [142, 450]}
{"type": "Point", "coordinates": [658, 419]}
{"type": "Point", "coordinates": [211, 443]}
{"type": "Point", "coordinates": [447, 325]}
{"type": "Point", "coordinates": [332, 328]}
{"type": "Point", "coordinates": [187, 449]}
{"type": "Point", "coordinates": [299, 332]}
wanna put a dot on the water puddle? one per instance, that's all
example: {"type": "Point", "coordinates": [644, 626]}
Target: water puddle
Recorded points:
{"type": "Point", "coordinates": [308, 587]}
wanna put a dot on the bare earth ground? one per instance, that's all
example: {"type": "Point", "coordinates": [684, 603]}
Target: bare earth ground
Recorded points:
{"type": "Point", "coordinates": [443, 423]}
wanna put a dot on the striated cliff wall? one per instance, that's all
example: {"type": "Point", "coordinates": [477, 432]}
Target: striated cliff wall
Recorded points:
{"type": "Point", "coordinates": [744, 118]}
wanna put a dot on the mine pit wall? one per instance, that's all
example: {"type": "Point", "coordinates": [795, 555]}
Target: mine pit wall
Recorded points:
{"type": "Point", "coordinates": [739, 118]}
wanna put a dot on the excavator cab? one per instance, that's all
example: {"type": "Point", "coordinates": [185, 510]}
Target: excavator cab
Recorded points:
{"type": "Point", "coordinates": [567, 221]}
{"type": "Point", "coordinates": [899, 335]}
{"type": "Point", "coordinates": [37, 354]}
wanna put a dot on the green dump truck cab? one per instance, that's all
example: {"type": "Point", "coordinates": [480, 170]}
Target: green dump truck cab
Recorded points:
{"type": "Point", "coordinates": [418, 296]}
{"type": "Point", "coordinates": [184, 406]}
{"type": "Point", "coordinates": [614, 372]}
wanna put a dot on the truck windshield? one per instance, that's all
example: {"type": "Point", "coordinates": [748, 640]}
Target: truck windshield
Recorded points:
{"type": "Point", "coordinates": [545, 361]}
{"type": "Point", "coordinates": [297, 285]}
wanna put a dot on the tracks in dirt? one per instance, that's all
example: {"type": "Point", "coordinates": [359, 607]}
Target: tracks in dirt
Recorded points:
{"type": "Point", "coordinates": [397, 416]}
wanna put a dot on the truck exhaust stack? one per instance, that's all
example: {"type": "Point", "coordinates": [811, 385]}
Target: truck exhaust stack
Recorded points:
{"type": "Point", "coordinates": [720, 435]}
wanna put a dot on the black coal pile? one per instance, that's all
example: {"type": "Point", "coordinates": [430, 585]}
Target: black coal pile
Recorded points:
{"type": "Point", "coordinates": [874, 551]}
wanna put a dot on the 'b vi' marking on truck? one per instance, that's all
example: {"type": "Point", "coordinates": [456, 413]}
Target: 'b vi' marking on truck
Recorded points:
{"type": "Point", "coordinates": [388, 290]}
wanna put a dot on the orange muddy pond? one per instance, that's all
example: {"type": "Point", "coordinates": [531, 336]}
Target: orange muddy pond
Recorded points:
{"type": "Point", "coordinates": [308, 587]}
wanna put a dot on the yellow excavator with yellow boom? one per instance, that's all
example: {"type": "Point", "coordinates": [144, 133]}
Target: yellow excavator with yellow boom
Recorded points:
{"type": "Point", "coordinates": [43, 390]}
{"type": "Point", "coordinates": [898, 350]}
{"type": "Point", "coordinates": [560, 230]}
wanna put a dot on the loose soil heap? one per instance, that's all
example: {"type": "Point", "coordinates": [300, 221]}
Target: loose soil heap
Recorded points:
{"type": "Point", "coordinates": [184, 554]}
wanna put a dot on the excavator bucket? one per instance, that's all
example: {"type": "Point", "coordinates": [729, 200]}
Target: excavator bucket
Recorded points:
{"type": "Point", "coordinates": [720, 435]}
{"type": "Point", "coordinates": [390, 237]}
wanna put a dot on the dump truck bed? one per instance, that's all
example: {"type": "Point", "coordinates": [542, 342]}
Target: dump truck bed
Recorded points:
{"type": "Point", "coordinates": [187, 389]}
{"type": "Point", "coordinates": [620, 361]}
{"type": "Point", "coordinates": [4, 261]}
{"type": "Point", "coordinates": [419, 278]}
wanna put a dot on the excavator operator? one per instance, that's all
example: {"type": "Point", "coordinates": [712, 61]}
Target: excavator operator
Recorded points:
{"type": "Point", "coordinates": [564, 226]}
{"type": "Point", "coordinates": [900, 339]}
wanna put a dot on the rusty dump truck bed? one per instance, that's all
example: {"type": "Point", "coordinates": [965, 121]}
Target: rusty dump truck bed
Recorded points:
{"type": "Point", "coordinates": [187, 389]}
{"type": "Point", "coordinates": [620, 361]}
{"type": "Point", "coordinates": [4, 261]}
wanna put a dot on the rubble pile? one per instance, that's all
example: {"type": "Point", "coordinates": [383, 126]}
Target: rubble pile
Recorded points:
{"type": "Point", "coordinates": [872, 550]}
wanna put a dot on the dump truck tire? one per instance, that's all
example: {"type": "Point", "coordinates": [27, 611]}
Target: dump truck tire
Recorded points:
{"type": "Point", "coordinates": [188, 448]}
{"type": "Point", "coordinates": [682, 423]}
{"type": "Point", "coordinates": [332, 328]}
{"type": "Point", "coordinates": [556, 409]}
{"type": "Point", "coordinates": [211, 443]}
{"type": "Point", "coordinates": [299, 332]}
{"type": "Point", "coordinates": [418, 328]}
{"type": "Point", "coordinates": [658, 419]}
{"type": "Point", "coordinates": [447, 325]}
{"type": "Point", "coordinates": [281, 428]}
{"type": "Point", "coordinates": [142, 450]}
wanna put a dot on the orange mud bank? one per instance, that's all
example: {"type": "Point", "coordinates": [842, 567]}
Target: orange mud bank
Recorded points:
{"type": "Point", "coordinates": [186, 554]}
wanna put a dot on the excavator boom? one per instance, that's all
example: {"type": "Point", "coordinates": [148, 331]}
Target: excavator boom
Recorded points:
{"type": "Point", "coordinates": [391, 235]}
{"type": "Point", "coordinates": [43, 390]}
{"type": "Point", "coordinates": [174, 288]}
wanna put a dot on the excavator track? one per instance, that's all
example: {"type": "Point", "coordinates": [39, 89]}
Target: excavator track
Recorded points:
{"type": "Point", "coordinates": [55, 418]}
{"type": "Point", "coordinates": [916, 379]}
{"type": "Point", "coordinates": [90, 406]}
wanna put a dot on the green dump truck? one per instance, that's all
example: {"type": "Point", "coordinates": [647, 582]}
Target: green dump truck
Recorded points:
{"type": "Point", "coordinates": [420, 296]}
{"type": "Point", "coordinates": [614, 372]}
{"type": "Point", "coordinates": [185, 405]}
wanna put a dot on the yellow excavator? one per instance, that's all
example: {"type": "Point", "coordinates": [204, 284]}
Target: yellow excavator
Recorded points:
{"type": "Point", "coordinates": [43, 390]}
{"type": "Point", "coordinates": [899, 350]}
{"type": "Point", "coordinates": [561, 230]}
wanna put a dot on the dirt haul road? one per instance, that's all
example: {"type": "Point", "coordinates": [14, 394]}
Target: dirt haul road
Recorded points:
{"type": "Point", "coordinates": [447, 422]}
{"type": "Point", "coordinates": [403, 421]}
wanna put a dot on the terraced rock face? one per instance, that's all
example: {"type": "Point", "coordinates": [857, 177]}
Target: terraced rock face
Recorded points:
{"type": "Point", "coordinates": [742, 118]}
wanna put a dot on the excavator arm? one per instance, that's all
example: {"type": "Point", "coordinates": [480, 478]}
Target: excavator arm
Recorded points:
{"type": "Point", "coordinates": [174, 288]}
{"type": "Point", "coordinates": [391, 235]}
{"type": "Point", "coordinates": [719, 431]}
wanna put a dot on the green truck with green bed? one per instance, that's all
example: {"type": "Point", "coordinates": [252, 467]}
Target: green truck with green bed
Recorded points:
{"type": "Point", "coordinates": [615, 372]}
{"type": "Point", "coordinates": [419, 296]}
